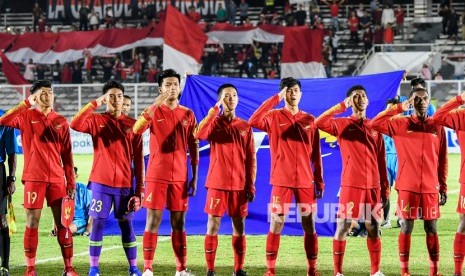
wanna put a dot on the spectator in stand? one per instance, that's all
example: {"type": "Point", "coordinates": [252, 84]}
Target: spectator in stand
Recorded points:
{"type": "Point", "coordinates": [232, 12]}
{"type": "Point", "coordinates": [83, 16]}
{"type": "Point", "coordinates": [29, 71]}
{"type": "Point", "coordinates": [333, 40]}
{"type": "Point", "coordinates": [327, 59]}
{"type": "Point", "coordinates": [377, 15]}
{"type": "Point", "coordinates": [221, 15]}
{"type": "Point", "coordinates": [55, 71]}
{"type": "Point", "coordinates": [367, 39]}
{"type": "Point", "coordinates": [353, 27]}
{"type": "Point", "coordinates": [117, 69]}
{"type": "Point", "coordinates": [453, 25]}
{"type": "Point", "coordinates": [248, 23]}
{"type": "Point", "coordinates": [40, 73]}
{"type": "Point", "coordinates": [445, 14]}
{"type": "Point", "coordinates": [400, 17]}
{"type": "Point", "coordinates": [463, 25]}
{"type": "Point", "coordinates": [438, 76]}
{"type": "Point", "coordinates": [136, 68]}
{"type": "Point", "coordinates": [153, 58]}
{"type": "Point", "coordinates": [36, 13]}
{"type": "Point", "coordinates": [240, 58]}
{"type": "Point", "coordinates": [268, 9]}
{"type": "Point", "coordinates": [243, 10]}
{"type": "Point", "coordinates": [365, 21]}
{"type": "Point", "coordinates": [161, 13]}
{"type": "Point", "coordinates": [94, 20]}
{"type": "Point", "coordinates": [318, 24]}
{"type": "Point", "coordinates": [378, 35]}
{"type": "Point", "coordinates": [300, 15]}
{"type": "Point", "coordinates": [193, 14]}
{"type": "Point", "coordinates": [387, 16]}
{"type": "Point", "coordinates": [334, 10]}
{"type": "Point", "coordinates": [314, 12]}
{"type": "Point", "coordinates": [425, 72]}
{"type": "Point", "coordinates": [459, 67]}
{"type": "Point", "coordinates": [152, 74]}
{"type": "Point", "coordinates": [361, 10]}
{"type": "Point", "coordinates": [88, 66]}
{"type": "Point", "coordinates": [151, 14]}
{"type": "Point", "coordinates": [42, 24]}
{"type": "Point", "coordinates": [107, 69]}
{"type": "Point", "coordinates": [66, 74]}
{"type": "Point", "coordinates": [109, 18]}
{"type": "Point", "coordinates": [373, 6]}
{"type": "Point", "coordinates": [388, 37]}
{"type": "Point", "coordinates": [289, 18]}
{"type": "Point", "coordinates": [77, 72]}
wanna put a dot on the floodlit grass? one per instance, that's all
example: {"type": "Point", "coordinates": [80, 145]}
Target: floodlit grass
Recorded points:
{"type": "Point", "coordinates": [291, 259]}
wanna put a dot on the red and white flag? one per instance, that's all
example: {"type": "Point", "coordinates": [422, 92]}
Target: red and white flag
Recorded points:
{"type": "Point", "coordinates": [184, 43]}
{"type": "Point", "coordinates": [302, 56]}
{"type": "Point", "coordinates": [12, 74]}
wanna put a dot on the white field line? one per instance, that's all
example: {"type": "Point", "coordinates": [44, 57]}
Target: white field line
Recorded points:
{"type": "Point", "coordinates": [85, 253]}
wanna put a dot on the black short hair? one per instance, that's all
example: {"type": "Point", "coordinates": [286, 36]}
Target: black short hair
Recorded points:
{"type": "Point", "coordinates": [417, 81]}
{"type": "Point", "coordinates": [112, 84]}
{"type": "Point", "coordinates": [36, 85]}
{"type": "Point", "coordinates": [418, 89]}
{"type": "Point", "coordinates": [127, 97]}
{"type": "Point", "coordinates": [355, 87]}
{"type": "Point", "coordinates": [393, 101]}
{"type": "Point", "coordinates": [289, 82]}
{"type": "Point", "coordinates": [226, 85]}
{"type": "Point", "coordinates": [168, 73]}
{"type": "Point", "coordinates": [75, 169]}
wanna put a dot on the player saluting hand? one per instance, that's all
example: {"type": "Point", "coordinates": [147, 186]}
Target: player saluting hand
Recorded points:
{"type": "Point", "coordinates": [297, 168]}
{"type": "Point", "coordinates": [116, 147]}
{"type": "Point", "coordinates": [231, 175]}
{"type": "Point", "coordinates": [46, 140]}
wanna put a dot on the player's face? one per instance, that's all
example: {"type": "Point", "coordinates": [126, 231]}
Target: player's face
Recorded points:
{"type": "Point", "coordinates": [126, 106]}
{"type": "Point", "coordinates": [421, 101]}
{"type": "Point", "coordinates": [45, 97]}
{"type": "Point", "coordinates": [171, 87]}
{"type": "Point", "coordinates": [115, 100]}
{"type": "Point", "coordinates": [293, 95]}
{"type": "Point", "coordinates": [230, 99]}
{"type": "Point", "coordinates": [360, 100]}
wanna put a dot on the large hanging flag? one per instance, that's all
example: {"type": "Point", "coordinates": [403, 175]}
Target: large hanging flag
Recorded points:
{"type": "Point", "coordinates": [301, 57]}
{"type": "Point", "coordinates": [184, 43]}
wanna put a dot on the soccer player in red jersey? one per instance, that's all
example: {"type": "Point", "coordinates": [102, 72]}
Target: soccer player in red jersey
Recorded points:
{"type": "Point", "coordinates": [46, 140]}
{"type": "Point", "coordinates": [422, 157]}
{"type": "Point", "coordinates": [116, 147]}
{"type": "Point", "coordinates": [364, 183]}
{"type": "Point", "coordinates": [231, 175]}
{"type": "Point", "coordinates": [171, 134]}
{"type": "Point", "coordinates": [451, 116]}
{"type": "Point", "coordinates": [295, 149]}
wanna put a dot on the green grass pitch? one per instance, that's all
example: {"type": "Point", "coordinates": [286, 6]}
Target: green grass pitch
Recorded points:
{"type": "Point", "coordinates": [291, 258]}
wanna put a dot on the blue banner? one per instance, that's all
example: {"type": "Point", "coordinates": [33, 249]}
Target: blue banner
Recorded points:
{"type": "Point", "coordinates": [318, 95]}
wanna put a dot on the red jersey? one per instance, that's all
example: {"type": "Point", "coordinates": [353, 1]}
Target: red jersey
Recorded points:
{"type": "Point", "coordinates": [171, 133]}
{"type": "Point", "coordinates": [448, 115]}
{"type": "Point", "coordinates": [362, 150]}
{"type": "Point", "coordinates": [334, 10]}
{"type": "Point", "coordinates": [294, 145]}
{"type": "Point", "coordinates": [46, 144]}
{"type": "Point", "coordinates": [232, 152]}
{"type": "Point", "coordinates": [421, 150]}
{"type": "Point", "coordinates": [353, 24]}
{"type": "Point", "coordinates": [115, 147]}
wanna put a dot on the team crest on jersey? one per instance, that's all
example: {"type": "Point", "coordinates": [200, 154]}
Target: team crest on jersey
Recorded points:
{"type": "Point", "coordinates": [307, 127]}
{"type": "Point", "coordinates": [434, 132]}
{"type": "Point", "coordinates": [127, 129]}
{"type": "Point", "coordinates": [374, 133]}
{"type": "Point", "coordinates": [58, 126]}
{"type": "Point", "coordinates": [243, 132]}
{"type": "Point", "coordinates": [185, 122]}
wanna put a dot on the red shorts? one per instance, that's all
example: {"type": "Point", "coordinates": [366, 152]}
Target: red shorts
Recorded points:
{"type": "Point", "coordinates": [35, 192]}
{"type": "Point", "coordinates": [281, 200]}
{"type": "Point", "coordinates": [412, 205]}
{"type": "Point", "coordinates": [173, 196]}
{"type": "Point", "coordinates": [461, 203]}
{"type": "Point", "coordinates": [356, 203]}
{"type": "Point", "coordinates": [220, 201]}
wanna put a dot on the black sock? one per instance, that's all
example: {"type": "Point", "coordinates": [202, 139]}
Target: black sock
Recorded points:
{"type": "Point", "coordinates": [5, 247]}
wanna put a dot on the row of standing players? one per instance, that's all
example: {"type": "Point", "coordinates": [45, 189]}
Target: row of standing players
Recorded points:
{"type": "Point", "coordinates": [294, 139]}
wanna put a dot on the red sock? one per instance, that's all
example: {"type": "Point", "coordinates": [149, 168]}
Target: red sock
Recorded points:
{"type": "Point", "coordinates": [339, 248]}
{"type": "Point", "coordinates": [459, 252]}
{"type": "Point", "coordinates": [404, 251]}
{"type": "Point", "coordinates": [211, 244]}
{"type": "Point", "coordinates": [374, 248]}
{"type": "Point", "coordinates": [178, 241]}
{"type": "Point", "coordinates": [272, 248]}
{"type": "Point", "coordinates": [239, 247]}
{"type": "Point", "coordinates": [149, 245]}
{"type": "Point", "coordinates": [31, 239]}
{"type": "Point", "coordinates": [311, 250]}
{"type": "Point", "coordinates": [432, 243]}
{"type": "Point", "coordinates": [65, 239]}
